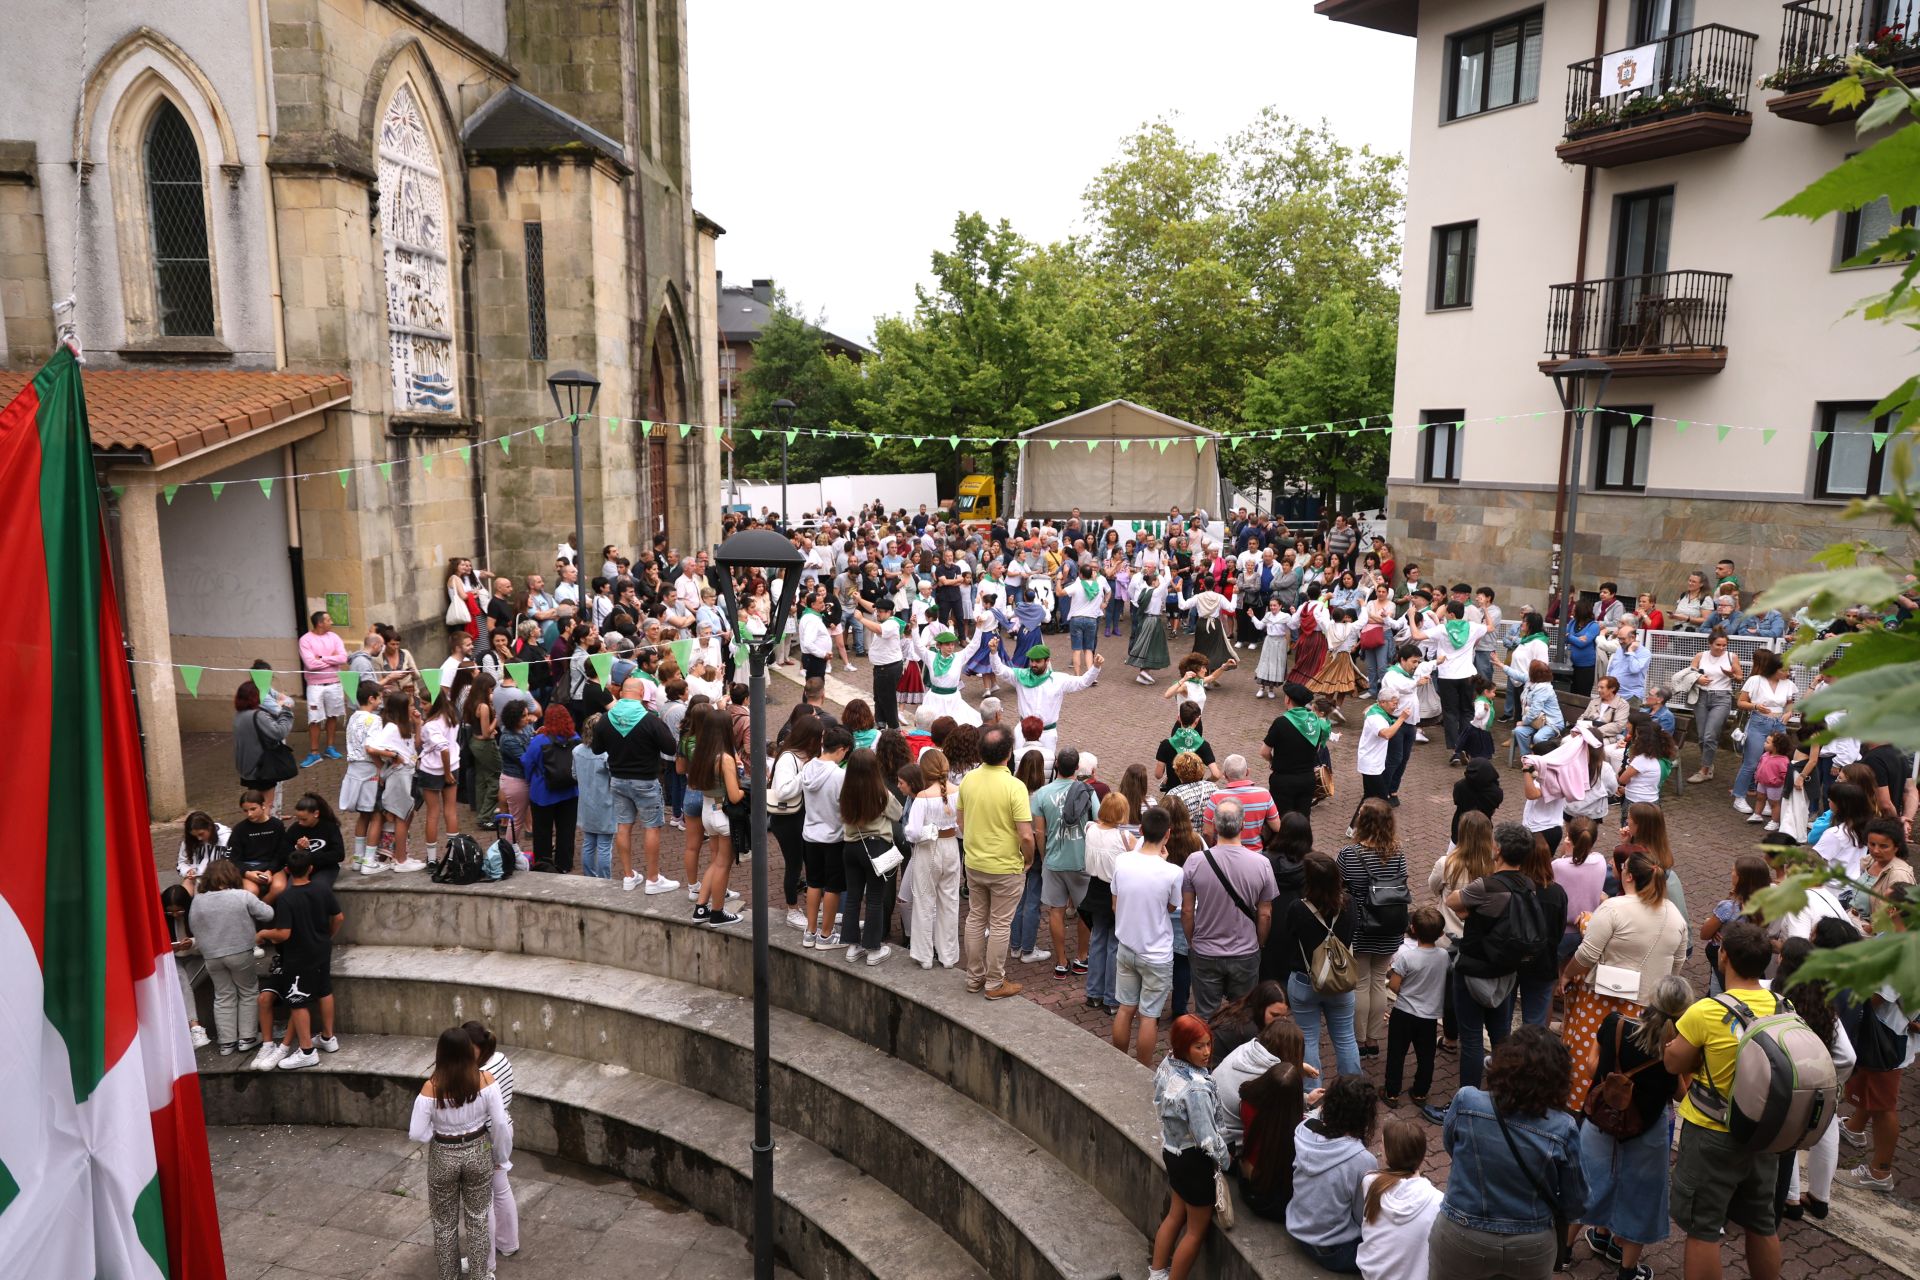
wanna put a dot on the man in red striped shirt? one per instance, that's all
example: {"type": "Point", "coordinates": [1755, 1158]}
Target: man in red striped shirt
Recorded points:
{"type": "Point", "coordinates": [1256, 803]}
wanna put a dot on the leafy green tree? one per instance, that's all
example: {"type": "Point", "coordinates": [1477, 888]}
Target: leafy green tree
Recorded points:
{"type": "Point", "coordinates": [790, 361]}
{"type": "Point", "coordinates": [1340, 369]}
{"type": "Point", "coordinates": [1877, 683]}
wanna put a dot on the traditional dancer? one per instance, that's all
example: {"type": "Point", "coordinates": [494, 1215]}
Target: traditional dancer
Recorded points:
{"type": "Point", "coordinates": [990, 622]}
{"type": "Point", "coordinates": [1336, 677]}
{"type": "Point", "coordinates": [945, 659]}
{"type": "Point", "coordinates": [1194, 681]}
{"type": "Point", "coordinates": [1040, 692]}
{"type": "Point", "coordinates": [1276, 624]}
{"type": "Point", "coordinates": [1148, 652]}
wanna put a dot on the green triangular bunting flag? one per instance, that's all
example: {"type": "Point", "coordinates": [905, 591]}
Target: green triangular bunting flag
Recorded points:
{"type": "Point", "coordinates": [918, 441]}
{"type": "Point", "coordinates": [426, 461]}
{"type": "Point", "coordinates": [191, 675]}
{"type": "Point", "coordinates": [1820, 438]}
{"type": "Point", "coordinates": [1199, 444]}
{"type": "Point", "coordinates": [1720, 432]}
{"type": "Point", "coordinates": [119, 490]}
{"type": "Point", "coordinates": [266, 485]}
{"type": "Point", "coordinates": [1021, 445]}
{"type": "Point", "coordinates": [953, 442]}
{"type": "Point", "coordinates": [343, 477]}
{"type": "Point", "coordinates": [386, 472]}
{"type": "Point", "coordinates": [167, 491]}
{"type": "Point", "coordinates": [431, 678]}
{"type": "Point", "coordinates": [682, 652]}
{"type": "Point", "coordinates": [263, 681]}
{"type": "Point", "coordinates": [1635, 418]}
{"type": "Point", "coordinates": [685, 427]}
{"type": "Point", "coordinates": [646, 427]}
{"type": "Point", "coordinates": [466, 453]}
{"type": "Point", "coordinates": [350, 686]}
{"type": "Point", "coordinates": [517, 672]}
{"type": "Point", "coordinates": [1766, 435]}
{"type": "Point", "coordinates": [740, 656]}
{"type": "Point", "coordinates": [506, 445]}
{"type": "Point", "coordinates": [1680, 427]}
{"type": "Point", "coordinates": [1161, 445]}
{"type": "Point", "coordinates": [1053, 444]}
{"type": "Point", "coordinates": [216, 487]}
{"type": "Point", "coordinates": [1879, 440]}
{"type": "Point", "coordinates": [1092, 445]}
{"type": "Point", "coordinates": [602, 664]}
{"type": "Point", "coordinates": [756, 432]}
{"type": "Point", "coordinates": [792, 436]}
{"type": "Point", "coordinates": [540, 433]}
{"type": "Point", "coordinates": [1125, 445]}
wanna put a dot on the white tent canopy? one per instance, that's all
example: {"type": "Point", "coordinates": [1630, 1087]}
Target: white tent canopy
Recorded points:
{"type": "Point", "coordinates": [1109, 482]}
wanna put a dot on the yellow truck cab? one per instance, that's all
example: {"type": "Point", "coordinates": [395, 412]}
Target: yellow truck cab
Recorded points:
{"type": "Point", "coordinates": [977, 500]}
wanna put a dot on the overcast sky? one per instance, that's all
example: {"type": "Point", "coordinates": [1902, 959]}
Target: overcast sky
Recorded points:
{"type": "Point", "coordinates": [836, 142]}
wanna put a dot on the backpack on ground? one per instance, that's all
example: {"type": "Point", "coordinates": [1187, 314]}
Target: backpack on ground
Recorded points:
{"type": "Point", "coordinates": [1783, 1094]}
{"type": "Point", "coordinates": [460, 862]}
{"type": "Point", "coordinates": [1518, 937]}
{"type": "Point", "coordinates": [1330, 967]}
{"type": "Point", "coordinates": [556, 763]}
{"type": "Point", "coordinates": [501, 859]}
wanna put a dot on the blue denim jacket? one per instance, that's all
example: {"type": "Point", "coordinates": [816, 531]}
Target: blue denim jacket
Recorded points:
{"type": "Point", "coordinates": [1486, 1191]}
{"type": "Point", "coordinates": [1541, 700]}
{"type": "Point", "coordinates": [1185, 1098]}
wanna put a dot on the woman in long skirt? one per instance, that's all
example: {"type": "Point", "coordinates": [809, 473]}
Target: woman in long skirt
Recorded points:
{"type": "Point", "coordinates": [1276, 625]}
{"type": "Point", "coordinates": [1148, 652]}
{"type": "Point", "coordinates": [991, 622]}
{"type": "Point", "coordinates": [1310, 648]}
{"type": "Point", "coordinates": [1336, 677]}
{"type": "Point", "coordinates": [1210, 627]}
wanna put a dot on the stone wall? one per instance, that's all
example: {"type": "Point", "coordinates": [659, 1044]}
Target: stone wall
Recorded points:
{"type": "Point", "coordinates": [1503, 538]}
{"type": "Point", "coordinates": [26, 304]}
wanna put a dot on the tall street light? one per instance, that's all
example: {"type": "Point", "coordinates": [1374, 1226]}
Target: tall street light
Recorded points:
{"type": "Point", "coordinates": [770, 552]}
{"type": "Point", "coordinates": [1582, 385]}
{"type": "Point", "coordinates": [570, 388]}
{"type": "Point", "coordinates": [783, 414]}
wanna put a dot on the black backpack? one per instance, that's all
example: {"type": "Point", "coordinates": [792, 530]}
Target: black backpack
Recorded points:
{"type": "Point", "coordinates": [556, 763]}
{"type": "Point", "coordinates": [1519, 934]}
{"type": "Point", "coordinates": [461, 862]}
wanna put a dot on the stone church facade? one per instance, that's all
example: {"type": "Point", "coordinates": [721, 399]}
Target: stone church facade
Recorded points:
{"type": "Point", "coordinates": [308, 237]}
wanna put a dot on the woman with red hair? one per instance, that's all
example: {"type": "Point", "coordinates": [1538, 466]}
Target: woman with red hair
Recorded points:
{"type": "Point", "coordinates": [1191, 1143]}
{"type": "Point", "coordinates": [548, 763]}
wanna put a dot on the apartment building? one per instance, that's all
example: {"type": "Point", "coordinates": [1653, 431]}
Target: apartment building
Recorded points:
{"type": "Point", "coordinates": [1591, 179]}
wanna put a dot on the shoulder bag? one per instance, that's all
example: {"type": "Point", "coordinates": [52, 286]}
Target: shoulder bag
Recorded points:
{"type": "Point", "coordinates": [1610, 1106]}
{"type": "Point", "coordinates": [276, 757]}
{"type": "Point", "coordinates": [1232, 892]}
{"type": "Point", "coordinates": [1622, 983]}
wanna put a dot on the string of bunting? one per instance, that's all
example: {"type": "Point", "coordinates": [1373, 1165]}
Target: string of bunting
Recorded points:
{"type": "Point", "coordinates": [1347, 427]}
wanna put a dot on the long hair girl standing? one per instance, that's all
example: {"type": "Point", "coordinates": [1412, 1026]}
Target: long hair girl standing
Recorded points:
{"type": "Point", "coordinates": [463, 1120]}
{"type": "Point", "coordinates": [933, 827]}
{"type": "Point", "coordinates": [715, 773]}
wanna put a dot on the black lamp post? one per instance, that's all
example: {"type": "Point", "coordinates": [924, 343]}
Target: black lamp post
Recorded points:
{"type": "Point", "coordinates": [1582, 385]}
{"type": "Point", "coordinates": [768, 551]}
{"type": "Point", "coordinates": [570, 388]}
{"type": "Point", "coordinates": [783, 414]}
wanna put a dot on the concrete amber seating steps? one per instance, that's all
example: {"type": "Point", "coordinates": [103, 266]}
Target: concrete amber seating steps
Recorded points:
{"type": "Point", "coordinates": [1084, 1110]}
{"type": "Point", "coordinates": [1012, 1206]}
{"type": "Point", "coordinates": [830, 1219]}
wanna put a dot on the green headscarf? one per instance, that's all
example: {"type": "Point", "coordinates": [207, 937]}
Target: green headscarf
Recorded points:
{"type": "Point", "coordinates": [1090, 585]}
{"type": "Point", "coordinates": [1459, 631]}
{"type": "Point", "coordinates": [1185, 739]}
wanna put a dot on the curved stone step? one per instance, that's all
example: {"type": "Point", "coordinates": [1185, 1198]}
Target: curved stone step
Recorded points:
{"type": "Point", "coordinates": [1013, 1206]}
{"type": "Point", "coordinates": [831, 1221]}
{"type": "Point", "coordinates": [1077, 1099]}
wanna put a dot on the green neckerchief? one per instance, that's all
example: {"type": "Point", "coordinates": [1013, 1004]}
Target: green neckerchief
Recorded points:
{"type": "Point", "coordinates": [942, 663]}
{"type": "Point", "coordinates": [815, 612]}
{"type": "Point", "coordinates": [1377, 710]}
{"type": "Point", "coordinates": [1185, 739]}
{"type": "Point", "coordinates": [647, 676]}
{"type": "Point", "coordinates": [1459, 630]}
{"type": "Point", "coordinates": [1028, 680]}
{"type": "Point", "coordinates": [1090, 585]}
{"type": "Point", "coordinates": [1311, 726]}
{"type": "Point", "coordinates": [1541, 636]}
{"type": "Point", "coordinates": [626, 713]}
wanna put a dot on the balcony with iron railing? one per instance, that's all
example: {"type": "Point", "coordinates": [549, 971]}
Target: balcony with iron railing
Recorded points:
{"type": "Point", "coordinates": [1818, 36]}
{"type": "Point", "coordinates": [1663, 324]}
{"type": "Point", "coordinates": [1667, 97]}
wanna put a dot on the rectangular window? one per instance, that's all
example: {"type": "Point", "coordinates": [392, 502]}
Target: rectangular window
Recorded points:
{"type": "Point", "coordinates": [536, 292]}
{"type": "Point", "coordinates": [727, 359]}
{"type": "Point", "coordinates": [1453, 251]}
{"type": "Point", "coordinates": [1494, 66]}
{"type": "Point", "coordinates": [1846, 464]}
{"type": "Point", "coordinates": [1621, 459]}
{"type": "Point", "coordinates": [1440, 446]}
{"type": "Point", "coordinates": [1869, 225]}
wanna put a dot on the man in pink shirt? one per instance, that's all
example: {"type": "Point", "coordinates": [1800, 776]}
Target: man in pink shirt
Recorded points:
{"type": "Point", "coordinates": [322, 654]}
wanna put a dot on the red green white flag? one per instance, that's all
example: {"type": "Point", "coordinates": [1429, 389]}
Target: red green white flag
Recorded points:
{"type": "Point", "coordinates": [104, 1171]}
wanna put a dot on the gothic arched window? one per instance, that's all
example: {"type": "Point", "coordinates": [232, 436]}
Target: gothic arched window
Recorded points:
{"type": "Point", "coordinates": [413, 227]}
{"type": "Point", "coordinates": [177, 215]}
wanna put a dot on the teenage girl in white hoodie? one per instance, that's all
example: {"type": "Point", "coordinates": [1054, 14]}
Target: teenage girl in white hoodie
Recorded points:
{"type": "Point", "coordinates": [1400, 1208]}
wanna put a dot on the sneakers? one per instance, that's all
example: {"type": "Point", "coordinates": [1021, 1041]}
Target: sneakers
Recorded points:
{"type": "Point", "coordinates": [854, 952]}
{"type": "Point", "coordinates": [1815, 1206]}
{"type": "Point", "coordinates": [1143, 678]}
{"type": "Point", "coordinates": [875, 957]}
{"type": "Point", "coordinates": [810, 940]}
{"type": "Point", "coordinates": [630, 882]}
{"type": "Point", "coordinates": [200, 1037]}
{"type": "Point", "coordinates": [1036, 956]}
{"type": "Point", "coordinates": [1420, 737]}
{"type": "Point", "coordinates": [313, 758]}
{"type": "Point", "coordinates": [693, 893]}
{"type": "Point", "coordinates": [1004, 990]}
{"type": "Point", "coordinates": [410, 864]}
{"type": "Point", "coordinates": [269, 1057]}
{"type": "Point", "coordinates": [700, 913]}
{"type": "Point", "coordinates": [248, 1045]}
{"type": "Point", "coordinates": [924, 964]}
{"type": "Point", "coordinates": [733, 895]}
{"type": "Point", "coordinates": [1433, 1114]}
{"type": "Point", "coordinates": [1771, 825]}
{"type": "Point", "coordinates": [1078, 966]}
{"type": "Point", "coordinates": [849, 667]}
{"type": "Point", "coordinates": [1740, 805]}
{"type": "Point", "coordinates": [1158, 1273]}
{"type": "Point", "coordinates": [1699, 776]}
{"type": "Point", "coordinates": [1756, 817]}
{"type": "Point", "coordinates": [1852, 1138]}
{"type": "Point", "coordinates": [297, 1059]}
{"type": "Point", "coordinates": [660, 884]}
{"type": "Point", "coordinates": [721, 916]}
{"type": "Point", "coordinates": [327, 1044]}
{"type": "Point", "coordinates": [797, 919]}
{"type": "Point", "coordinates": [331, 754]}
{"type": "Point", "coordinates": [371, 866]}
{"type": "Point", "coordinates": [227, 1050]}
{"type": "Point", "coordinates": [1603, 1246]}
{"type": "Point", "coordinates": [1864, 1178]}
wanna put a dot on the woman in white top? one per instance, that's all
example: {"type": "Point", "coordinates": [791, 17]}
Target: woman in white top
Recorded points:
{"type": "Point", "coordinates": [395, 746]}
{"type": "Point", "coordinates": [462, 1119]}
{"type": "Point", "coordinates": [933, 826]}
{"type": "Point", "coordinates": [1719, 668]}
{"type": "Point", "coordinates": [1640, 778]}
{"type": "Point", "coordinates": [506, 1210]}
{"type": "Point", "coordinates": [439, 766]}
{"type": "Point", "coordinates": [1767, 697]}
{"type": "Point", "coordinates": [1107, 839]}
{"type": "Point", "coordinates": [201, 841]}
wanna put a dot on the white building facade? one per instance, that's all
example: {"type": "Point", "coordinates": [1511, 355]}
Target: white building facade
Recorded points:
{"type": "Point", "coordinates": [1592, 179]}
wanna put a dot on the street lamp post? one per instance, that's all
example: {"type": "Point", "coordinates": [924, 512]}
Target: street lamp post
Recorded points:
{"type": "Point", "coordinates": [761, 549]}
{"type": "Point", "coordinates": [1572, 380]}
{"type": "Point", "coordinates": [568, 388]}
{"type": "Point", "coordinates": [783, 414]}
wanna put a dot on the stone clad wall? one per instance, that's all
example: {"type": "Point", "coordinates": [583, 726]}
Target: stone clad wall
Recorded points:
{"type": "Point", "coordinates": [1503, 538]}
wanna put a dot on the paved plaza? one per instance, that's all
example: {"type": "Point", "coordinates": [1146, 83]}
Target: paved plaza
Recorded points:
{"type": "Point", "coordinates": [1122, 722]}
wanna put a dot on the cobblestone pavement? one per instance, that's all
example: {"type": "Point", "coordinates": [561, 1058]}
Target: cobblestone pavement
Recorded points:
{"type": "Point", "coordinates": [298, 1202]}
{"type": "Point", "coordinates": [1122, 722]}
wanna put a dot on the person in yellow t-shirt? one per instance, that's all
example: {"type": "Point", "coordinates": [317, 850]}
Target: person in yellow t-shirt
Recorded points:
{"type": "Point", "coordinates": [1716, 1181]}
{"type": "Point", "coordinates": [996, 826]}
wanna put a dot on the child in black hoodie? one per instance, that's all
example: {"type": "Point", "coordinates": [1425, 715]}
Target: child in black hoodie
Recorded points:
{"type": "Point", "coordinates": [317, 831]}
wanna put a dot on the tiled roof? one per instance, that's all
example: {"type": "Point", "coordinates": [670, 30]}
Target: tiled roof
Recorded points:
{"type": "Point", "coordinates": [158, 415]}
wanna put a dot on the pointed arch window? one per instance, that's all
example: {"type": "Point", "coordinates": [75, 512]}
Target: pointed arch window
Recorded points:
{"type": "Point", "coordinates": [413, 228]}
{"type": "Point", "coordinates": [177, 217]}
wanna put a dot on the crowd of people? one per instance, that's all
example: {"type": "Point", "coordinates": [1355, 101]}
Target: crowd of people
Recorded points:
{"type": "Point", "coordinates": [1186, 893]}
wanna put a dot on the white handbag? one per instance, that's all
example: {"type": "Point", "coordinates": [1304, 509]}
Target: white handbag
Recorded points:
{"type": "Point", "coordinates": [1620, 982]}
